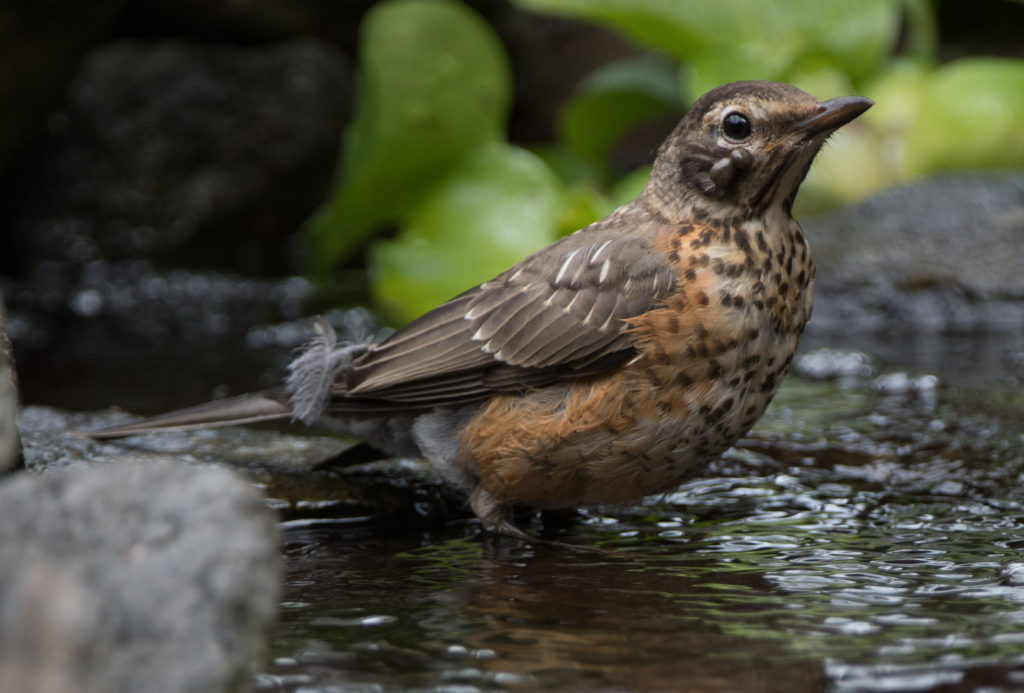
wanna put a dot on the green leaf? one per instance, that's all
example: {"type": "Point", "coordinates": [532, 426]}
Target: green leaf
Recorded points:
{"type": "Point", "coordinates": [435, 84]}
{"type": "Point", "coordinates": [969, 116]}
{"type": "Point", "coordinates": [749, 39]}
{"type": "Point", "coordinates": [498, 205]}
{"type": "Point", "coordinates": [617, 97]}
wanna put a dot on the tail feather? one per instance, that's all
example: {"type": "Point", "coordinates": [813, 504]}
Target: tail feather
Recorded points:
{"type": "Point", "coordinates": [243, 409]}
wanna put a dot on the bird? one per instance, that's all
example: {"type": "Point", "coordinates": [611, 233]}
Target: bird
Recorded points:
{"type": "Point", "coordinates": [611, 365]}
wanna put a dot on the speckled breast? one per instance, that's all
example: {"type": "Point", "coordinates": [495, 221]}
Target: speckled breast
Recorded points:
{"type": "Point", "coordinates": [709, 360]}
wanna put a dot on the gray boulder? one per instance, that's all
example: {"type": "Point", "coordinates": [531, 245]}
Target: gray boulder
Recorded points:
{"type": "Point", "coordinates": [942, 254]}
{"type": "Point", "coordinates": [134, 577]}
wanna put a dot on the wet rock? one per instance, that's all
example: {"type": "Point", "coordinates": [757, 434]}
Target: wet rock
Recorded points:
{"type": "Point", "coordinates": [50, 447]}
{"type": "Point", "coordinates": [942, 254]}
{"type": "Point", "coordinates": [126, 576]}
{"type": "Point", "coordinates": [305, 473]}
{"type": "Point", "coordinates": [10, 446]}
{"type": "Point", "coordinates": [165, 150]}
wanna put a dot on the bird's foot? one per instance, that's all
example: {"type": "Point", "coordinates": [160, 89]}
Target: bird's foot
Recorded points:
{"type": "Point", "coordinates": [497, 517]}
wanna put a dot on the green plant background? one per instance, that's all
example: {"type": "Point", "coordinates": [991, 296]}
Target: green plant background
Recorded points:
{"type": "Point", "coordinates": [426, 157]}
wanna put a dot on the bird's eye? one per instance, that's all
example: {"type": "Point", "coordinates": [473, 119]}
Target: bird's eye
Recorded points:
{"type": "Point", "coordinates": [736, 127]}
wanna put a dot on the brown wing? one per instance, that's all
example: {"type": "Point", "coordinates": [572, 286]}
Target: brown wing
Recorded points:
{"type": "Point", "coordinates": [560, 313]}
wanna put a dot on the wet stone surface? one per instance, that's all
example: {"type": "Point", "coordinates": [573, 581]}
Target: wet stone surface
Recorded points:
{"type": "Point", "coordinates": [134, 574]}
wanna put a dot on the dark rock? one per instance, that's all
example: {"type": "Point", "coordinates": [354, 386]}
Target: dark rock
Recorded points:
{"type": "Point", "coordinates": [943, 254]}
{"type": "Point", "coordinates": [249, 21]}
{"type": "Point", "coordinates": [535, 43]}
{"type": "Point", "coordinates": [125, 576]}
{"type": "Point", "coordinates": [168, 150]}
{"type": "Point", "coordinates": [40, 43]}
{"type": "Point", "coordinates": [160, 340]}
{"type": "Point", "coordinates": [49, 446]}
{"type": "Point", "coordinates": [306, 473]}
{"type": "Point", "coordinates": [10, 445]}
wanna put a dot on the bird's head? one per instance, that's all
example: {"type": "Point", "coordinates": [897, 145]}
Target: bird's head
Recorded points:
{"type": "Point", "coordinates": [746, 146]}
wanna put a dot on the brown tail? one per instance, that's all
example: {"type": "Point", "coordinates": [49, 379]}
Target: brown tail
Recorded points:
{"type": "Point", "coordinates": [250, 408]}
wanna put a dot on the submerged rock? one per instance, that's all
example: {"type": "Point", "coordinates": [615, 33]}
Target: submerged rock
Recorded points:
{"type": "Point", "coordinates": [125, 576]}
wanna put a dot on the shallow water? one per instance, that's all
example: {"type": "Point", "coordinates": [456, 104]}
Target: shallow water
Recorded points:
{"type": "Point", "coordinates": [867, 536]}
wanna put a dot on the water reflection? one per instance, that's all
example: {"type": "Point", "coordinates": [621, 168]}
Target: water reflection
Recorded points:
{"type": "Point", "coordinates": [837, 559]}
{"type": "Point", "coordinates": [734, 605]}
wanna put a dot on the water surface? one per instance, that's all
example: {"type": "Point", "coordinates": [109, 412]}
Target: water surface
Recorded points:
{"type": "Point", "coordinates": [866, 536]}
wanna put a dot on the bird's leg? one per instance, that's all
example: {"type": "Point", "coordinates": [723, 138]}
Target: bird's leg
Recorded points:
{"type": "Point", "coordinates": [495, 515]}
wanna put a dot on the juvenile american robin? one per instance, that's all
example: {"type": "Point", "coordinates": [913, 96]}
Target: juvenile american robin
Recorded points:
{"type": "Point", "coordinates": [614, 363]}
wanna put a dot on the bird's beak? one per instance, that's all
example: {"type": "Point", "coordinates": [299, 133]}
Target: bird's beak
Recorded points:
{"type": "Point", "coordinates": [832, 114]}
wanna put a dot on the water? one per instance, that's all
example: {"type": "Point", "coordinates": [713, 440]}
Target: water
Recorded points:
{"type": "Point", "coordinates": [867, 536]}
{"type": "Point", "coordinates": [812, 589]}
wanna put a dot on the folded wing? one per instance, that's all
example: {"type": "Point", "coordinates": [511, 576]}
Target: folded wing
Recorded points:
{"type": "Point", "coordinates": [561, 313]}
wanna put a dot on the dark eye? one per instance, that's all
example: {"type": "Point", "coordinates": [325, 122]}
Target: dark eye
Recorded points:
{"type": "Point", "coordinates": [736, 127]}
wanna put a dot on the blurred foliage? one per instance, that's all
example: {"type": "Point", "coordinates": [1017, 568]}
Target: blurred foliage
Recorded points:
{"type": "Point", "coordinates": [613, 99]}
{"type": "Point", "coordinates": [497, 205]}
{"type": "Point", "coordinates": [426, 154]}
{"type": "Point", "coordinates": [723, 41]}
{"type": "Point", "coordinates": [435, 84]}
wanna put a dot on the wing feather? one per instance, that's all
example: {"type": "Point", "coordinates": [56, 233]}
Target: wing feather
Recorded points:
{"type": "Point", "coordinates": [560, 313]}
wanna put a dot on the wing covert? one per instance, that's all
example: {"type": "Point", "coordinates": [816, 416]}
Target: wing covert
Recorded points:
{"type": "Point", "coordinates": [560, 313]}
